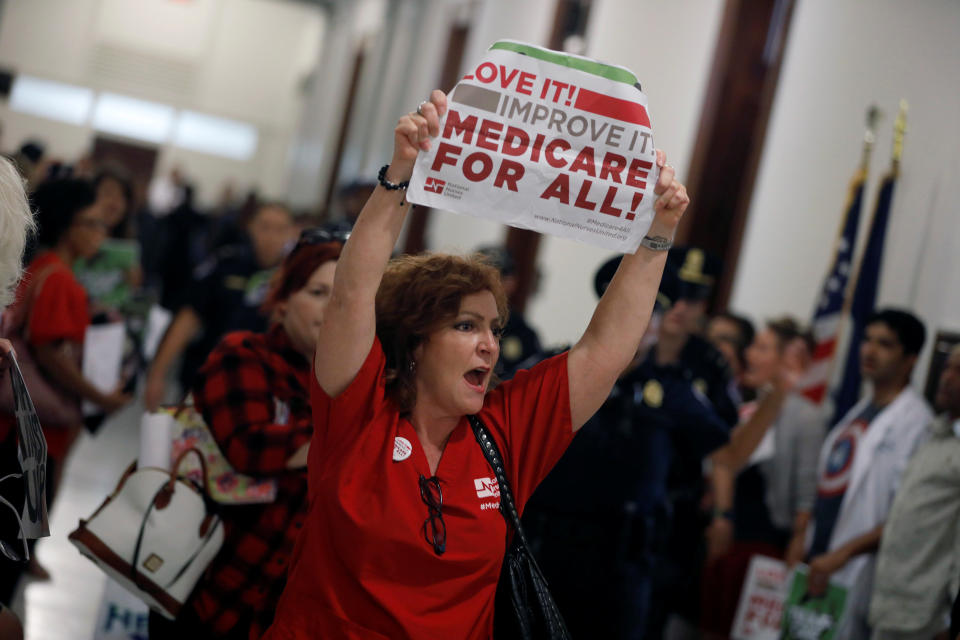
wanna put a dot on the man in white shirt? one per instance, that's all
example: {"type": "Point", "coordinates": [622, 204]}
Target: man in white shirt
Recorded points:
{"type": "Point", "coordinates": [861, 463]}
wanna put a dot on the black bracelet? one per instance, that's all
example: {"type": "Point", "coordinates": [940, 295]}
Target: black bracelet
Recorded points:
{"type": "Point", "coordinates": [386, 184]}
{"type": "Point", "coordinates": [725, 514]}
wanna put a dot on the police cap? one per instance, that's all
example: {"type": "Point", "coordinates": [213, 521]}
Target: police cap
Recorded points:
{"type": "Point", "coordinates": [499, 257]}
{"type": "Point", "coordinates": [668, 284]}
{"type": "Point", "coordinates": [695, 272]}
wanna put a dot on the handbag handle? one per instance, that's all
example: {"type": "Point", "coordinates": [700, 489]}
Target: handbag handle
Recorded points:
{"type": "Point", "coordinates": [163, 495]}
{"type": "Point", "coordinates": [175, 470]}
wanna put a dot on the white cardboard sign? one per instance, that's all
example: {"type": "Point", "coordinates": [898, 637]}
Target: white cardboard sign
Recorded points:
{"type": "Point", "coordinates": [761, 601]}
{"type": "Point", "coordinates": [547, 141]}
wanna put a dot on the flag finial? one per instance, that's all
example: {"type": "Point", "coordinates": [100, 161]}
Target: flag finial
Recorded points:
{"type": "Point", "coordinates": [870, 135]}
{"type": "Point", "coordinates": [899, 130]}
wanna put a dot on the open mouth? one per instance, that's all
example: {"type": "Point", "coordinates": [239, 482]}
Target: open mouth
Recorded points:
{"type": "Point", "coordinates": [477, 377]}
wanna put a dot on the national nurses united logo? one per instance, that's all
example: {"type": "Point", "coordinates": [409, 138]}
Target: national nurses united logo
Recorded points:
{"type": "Point", "coordinates": [486, 487]}
{"type": "Point", "coordinates": [434, 185]}
{"type": "Point", "coordinates": [488, 491]}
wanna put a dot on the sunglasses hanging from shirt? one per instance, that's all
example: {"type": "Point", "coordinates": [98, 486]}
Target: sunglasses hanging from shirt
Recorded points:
{"type": "Point", "coordinates": [536, 614]}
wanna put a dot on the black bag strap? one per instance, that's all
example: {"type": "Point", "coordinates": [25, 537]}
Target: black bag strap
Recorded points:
{"type": "Point", "coordinates": [508, 508]}
{"type": "Point", "coordinates": [492, 453]}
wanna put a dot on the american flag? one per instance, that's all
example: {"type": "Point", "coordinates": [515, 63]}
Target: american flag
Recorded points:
{"type": "Point", "coordinates": [864, 297]}
{"type": "Point", "coordinates": [828, 315]}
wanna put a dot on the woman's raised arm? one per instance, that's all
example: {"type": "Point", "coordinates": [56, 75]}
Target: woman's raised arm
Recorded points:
{"type": "Point", "coordinates": [621, 316]}
{"type": "Point", "coordinates": [349, 323]}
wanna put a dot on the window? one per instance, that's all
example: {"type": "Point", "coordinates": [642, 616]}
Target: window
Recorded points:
{"type": "Point", "coordinates": [53, 100]}
{"type": "Point", "coordinates": [132, 117]}
{"type": "Point", "coordinates": [218, 136]}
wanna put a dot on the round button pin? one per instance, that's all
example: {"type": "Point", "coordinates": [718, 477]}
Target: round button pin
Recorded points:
{"type": "Point", "coordinates": [401, 449]}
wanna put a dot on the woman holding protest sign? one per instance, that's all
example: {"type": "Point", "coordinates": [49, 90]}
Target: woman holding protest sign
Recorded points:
{"type": "Point", "coordinates": [403, 537]}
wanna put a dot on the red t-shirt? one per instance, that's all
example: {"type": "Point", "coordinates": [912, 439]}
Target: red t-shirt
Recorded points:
{"type": "Point", "coordinates": [60, 305]}
{"type": "Point", "coordinates": [59, 313]}
{"type": "Point", "coordinates": [362, 567]}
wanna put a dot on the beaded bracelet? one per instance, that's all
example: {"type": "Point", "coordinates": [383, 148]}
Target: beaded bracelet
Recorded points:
{"type": "Point", "coordinates": [386, 184]}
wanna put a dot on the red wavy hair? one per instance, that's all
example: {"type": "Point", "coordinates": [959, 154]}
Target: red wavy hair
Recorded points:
{"type": "Point", "coordinates": [418, 294]}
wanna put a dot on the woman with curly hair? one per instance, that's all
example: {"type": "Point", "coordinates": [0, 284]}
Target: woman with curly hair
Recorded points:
{"type": "Point", "coordinates": [403, 538]}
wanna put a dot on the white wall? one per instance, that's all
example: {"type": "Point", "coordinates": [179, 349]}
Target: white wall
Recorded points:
{"type": "Point", "coordinates": [843, 55]}
{"type": "Point", "coordinates": [672, 65]}
{"type": "Point", "coordinates": [318, 130]}
{"type": "Point", "coordinates": [527, 21]}
{"type": "Point", "coordinates": [241, 59]}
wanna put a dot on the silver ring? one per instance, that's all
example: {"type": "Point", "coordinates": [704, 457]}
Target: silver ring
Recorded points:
{"type": "Point", "coordinates": [420, 108]}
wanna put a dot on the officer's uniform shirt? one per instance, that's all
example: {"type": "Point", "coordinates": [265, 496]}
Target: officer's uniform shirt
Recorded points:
{"type": "Point", "coordinates": [606, 503]}
{"type": "Point", "coordinates": [703, 367]}
{"type": "Point", "coordinates": [227, 293]}
{"type": "Point", "coordinates": [621, 457]}
{"type": "Point", "coordinates": [517, 345]}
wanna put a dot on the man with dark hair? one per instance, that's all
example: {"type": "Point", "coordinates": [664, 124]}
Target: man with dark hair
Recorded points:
{"type": "Point", "coordinates": [861, 464]}
{"type": "Point", "coordinates": [917, 566]}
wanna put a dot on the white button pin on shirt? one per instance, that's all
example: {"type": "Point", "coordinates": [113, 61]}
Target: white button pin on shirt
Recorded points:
{"type": "Point", "coordinates": [401, 449]}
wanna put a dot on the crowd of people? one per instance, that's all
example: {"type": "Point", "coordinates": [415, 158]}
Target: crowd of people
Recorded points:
{"type": "Point", "coordinates": [651, 460]}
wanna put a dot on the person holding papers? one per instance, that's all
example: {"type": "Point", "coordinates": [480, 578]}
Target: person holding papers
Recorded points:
{"type": "Point", "coordinates": [403, 537]}
{"type": "Point", "coordinates": [51, 306]}
{"type": "Point", "coordinates": [765, 481]}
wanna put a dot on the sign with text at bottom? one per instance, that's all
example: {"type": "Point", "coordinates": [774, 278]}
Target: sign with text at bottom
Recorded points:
{"type": "Point", "coordinates": [547, 141]}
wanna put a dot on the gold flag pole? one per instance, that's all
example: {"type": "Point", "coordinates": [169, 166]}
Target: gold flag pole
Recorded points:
{"type": "Point", "coordinates": [899, 130]}
{"type": "Point", "coordinates": [870, 136]}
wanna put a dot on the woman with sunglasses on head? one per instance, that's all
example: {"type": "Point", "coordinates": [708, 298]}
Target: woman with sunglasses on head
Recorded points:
{"type": "Point", "coordinates": [403, 538]}
{"type": "Point", "coordinates": [253, 393]}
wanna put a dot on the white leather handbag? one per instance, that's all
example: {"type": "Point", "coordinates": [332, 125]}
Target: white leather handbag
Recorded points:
{"type": "Point", "coordinates": [155, 534]}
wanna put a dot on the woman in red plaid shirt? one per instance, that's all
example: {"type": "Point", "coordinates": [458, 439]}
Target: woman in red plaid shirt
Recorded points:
{"type": "Point", "coordinates": [253, 394]}
{"type": "Point", "coordinates": [403, 537]}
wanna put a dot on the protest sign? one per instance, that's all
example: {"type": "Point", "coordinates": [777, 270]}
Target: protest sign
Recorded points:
{"type": "Point", "coordinates": [122, 615]}
{"type": "Point", "coordinates": [547, 141]}
{"type": "Point", "coordinates": [32, 455]}
{"type": "Point", "coordinates": [102, 356]}
{"type": "Point", "coordinates": [761, 601]}
{"type": "Point", "coordinates": [811, 618]}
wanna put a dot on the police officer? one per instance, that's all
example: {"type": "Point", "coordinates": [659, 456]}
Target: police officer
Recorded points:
{"type": "Point", "coordinates": [519, 342]}
{"type": "Point", "coordinates": [681, 354]}
{"type": "Point", "coordinates": [226, 294]}
{"type": "Point", "coordinates": [600, 520]}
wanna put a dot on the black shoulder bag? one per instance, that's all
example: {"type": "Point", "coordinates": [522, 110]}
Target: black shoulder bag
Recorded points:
{"type": "Point", "coordinates": [537, 615]}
